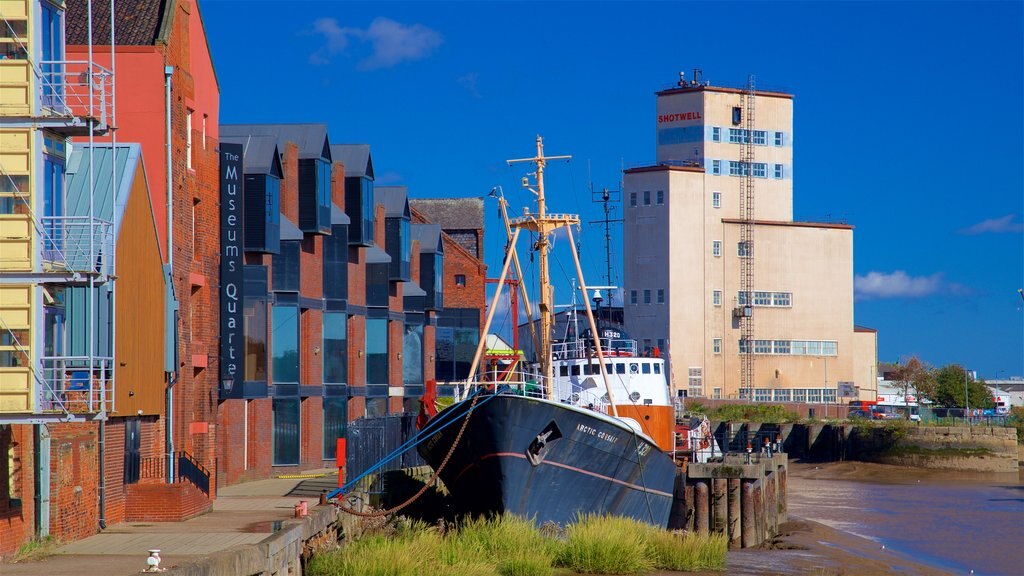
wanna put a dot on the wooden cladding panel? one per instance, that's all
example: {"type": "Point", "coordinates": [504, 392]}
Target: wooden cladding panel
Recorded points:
{"type": "Point", "coordinates": [16, 388]}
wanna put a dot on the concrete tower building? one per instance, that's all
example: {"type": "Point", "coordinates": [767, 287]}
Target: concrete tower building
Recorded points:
{"type": "Point", "coordinates": [701, 262]}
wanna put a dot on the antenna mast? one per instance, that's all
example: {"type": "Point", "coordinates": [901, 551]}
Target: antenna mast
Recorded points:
{"type": "Point", "coordinates": [609, 198]}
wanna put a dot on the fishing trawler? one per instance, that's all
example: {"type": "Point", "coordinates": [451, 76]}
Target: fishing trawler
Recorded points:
{"type": "Point", "coordinates": [585, 429]}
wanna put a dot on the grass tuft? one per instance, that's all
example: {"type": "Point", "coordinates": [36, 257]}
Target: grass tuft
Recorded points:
{"type": "Point", "coordinates": [606, 545]}
{"type": "Point", "coordinates": [686, 552]}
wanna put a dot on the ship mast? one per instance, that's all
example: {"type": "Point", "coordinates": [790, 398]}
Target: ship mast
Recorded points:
{"type": "Point", "coordinates": [543, 225]}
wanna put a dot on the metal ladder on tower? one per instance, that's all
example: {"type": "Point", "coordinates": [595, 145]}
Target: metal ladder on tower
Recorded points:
{"type": "Point", "coordinates": [747, 242]}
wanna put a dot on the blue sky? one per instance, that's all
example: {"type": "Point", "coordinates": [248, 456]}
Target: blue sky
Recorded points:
{"type": "Point", "coordinates": [908, 124]}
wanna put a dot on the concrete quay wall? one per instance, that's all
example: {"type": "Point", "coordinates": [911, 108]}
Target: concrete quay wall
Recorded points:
{"type": "Point", "coordinates": [964, 448]}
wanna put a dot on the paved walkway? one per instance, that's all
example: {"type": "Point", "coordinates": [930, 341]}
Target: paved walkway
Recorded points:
{"type": "Point", "coordinates": [242, 514]}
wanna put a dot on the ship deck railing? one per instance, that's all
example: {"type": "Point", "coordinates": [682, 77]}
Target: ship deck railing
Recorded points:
{"type": "Point", "coordinates": [584, 348]}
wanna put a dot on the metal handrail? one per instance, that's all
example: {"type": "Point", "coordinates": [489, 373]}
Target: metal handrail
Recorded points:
{"type": "Point", "coordinates": [581, 348]}
{"type": "Point", "coordinates": [78, 384]}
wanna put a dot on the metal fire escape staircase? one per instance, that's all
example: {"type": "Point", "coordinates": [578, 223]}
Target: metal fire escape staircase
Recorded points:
{"type": "Point", "coordinates": [54, 253]}
{"type": "Point", "coordinates": [747, 242]}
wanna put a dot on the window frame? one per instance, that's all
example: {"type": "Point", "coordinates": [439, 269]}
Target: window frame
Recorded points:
{"type": "Point", "coordinates": [716, 134]}
{"type": "Point", "coordinates": [716, 248]}
{"type": "Point", "coordinates": [716, 297]}
{"type": "Point", "coordinates": [716, 199]}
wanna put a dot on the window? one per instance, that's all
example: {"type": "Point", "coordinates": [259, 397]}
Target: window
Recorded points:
{"type": "Point", "coordinates": [647, 296]}
{"type": "Point", "coordinates": [460, 279]}
{"type": "Point", "coordinates": [799, 395]}
{"type": "Point", "coordinates": [696, 381]}
{"type": "Point", "coordinates": [657, 368]}
{"type": "Point", "coordinates": [647, 197]}
{"type": "Point", "coordinates": [285, 344]}
{"type": "Point", "coordinates": [814, 395]}
{"type": "Point", "coordinates": [762, 298]}
{"type": "Point", "coordinates": [778, 171]}
{"type": "Point", "coordinates": [716, 248]}
{"type": "Point", "coordinates": [285, 267]}
{"type": "Point", "coordinates": [716, 199]}
{"type": "Point", "coordinates": [738, 168]}
{"type": "Point", "coordinates": [194, 204]}
{"type": "Point", "coordinates": [829, 395]}
{"type": "Point", "coordinates": [760, 137]}
{"type": "Point", "coordinates": [188, 139]}
{"type": "Point", "coordinates": [716, 297]}
{"type": "Point", "coordinates": [762, 346]}
{"type": "Point", "coordinates": [762, 395]}
{"type": "Point", "coordinates": [783, 396]}
{"type": "Point", "coordinates": [716, 345]}
{"type": "Point", "coordinates": [632, 296]}
{"type": "Point", "coordinates": [717, 394]}
{"type": "Point", "coordinates": [778, 138]}
{"type": "Point", "coordinates": [335, 420]}
{"type": "Point", "coordinates": [53, 78]}
{"type": "Point", "coordinates": [620, 368]}
{"type": "Point", "coordinates": [661, 197]}
{"type": "Point", "coordinates": [632, 199]}
{"type": "Point", "coordinates": [716, 134]}
{"type": "Point", "coordinates": [335, 271]}
{"type": "Point", "coordinates": [255, 323]}
{"type": "Point", "coordinates": [737, 135]}
{"type": "Point", "coordinates": [784, 299]}
{"type": "Point", "coordinates": [412, 354]}
{"type": "Point", "coordinates": [744, 249]}
{"type": "Point", "coordinates": [377, 351]}
{"type": "Point", "coordinates": [661, 295]}
{"type": "Point", "coordinates": [286, 434]}
{"type": "Point", "coordinates": [760, 170]}
{"type": "Point", "coordinates": [376, 407]}
{"type": "Point", "coordinates": [716, 167]}
{"type": "Point", "coordinates": [737, 115]}
{"type": "Point", "coordinates": [205, 118]}
{"type": "Point", "coordinates": [645, 367]}
{"type": "Point", "coordinates": [335, 347]}
{"type": "Point", "coordinates": [781, 347]}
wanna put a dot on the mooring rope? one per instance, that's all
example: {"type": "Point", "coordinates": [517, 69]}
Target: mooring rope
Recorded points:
{"type": "Point", "coordinates": [433, 477]}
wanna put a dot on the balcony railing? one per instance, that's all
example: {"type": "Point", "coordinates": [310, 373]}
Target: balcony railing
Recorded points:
{"type": "Point", "coordinates": [77, 384]}
{"type": "Point", "coordinates": [66, 244]}
{"type": "Point", "coordinates": [76, 89]}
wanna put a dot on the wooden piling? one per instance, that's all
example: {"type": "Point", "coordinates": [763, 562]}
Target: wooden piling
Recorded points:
{"type": "Point", "coordinates": [719, 489]}
{"type": "Point", "coordinates": [749, 536]}
{"type": "Point", "coordinates": [758, 511]}
{"type": "Point", "coordinates": [691, 507]}
{"type": "Point", "coordinates": [702, 507]}
{"type": "Point", "coordinates": [783, 504]}
{"type": "Point", "coordinates": [733, 503]}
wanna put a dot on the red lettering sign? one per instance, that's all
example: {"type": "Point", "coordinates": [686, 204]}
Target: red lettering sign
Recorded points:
{"type": "Point", "coordinates": [679, 117]}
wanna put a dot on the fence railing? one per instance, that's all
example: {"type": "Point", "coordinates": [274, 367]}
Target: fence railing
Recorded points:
{"type": "Point", "coordinates": [369, 440]}
{"type": "Point", "coordinates": [66, 84]}
{"type": "Point", "coordinates": [187, 468]}
{"type": "Point", "coordinates": [77, 384]}
{"type": "Point", "coordinates": [66, 244]}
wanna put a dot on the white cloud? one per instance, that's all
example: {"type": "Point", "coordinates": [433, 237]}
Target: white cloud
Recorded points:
{"type": "Point", "coordinates": [1004, 225]}
{"type": "Point", "coordinates": [469, 82]}
{"type": "Point", "coordinates": [391, 42]}
{"type": "Point", "coordinates": [899, 284]}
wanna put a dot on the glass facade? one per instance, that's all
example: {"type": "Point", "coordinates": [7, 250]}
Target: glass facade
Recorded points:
{"type": "Point", "coordinates": [255, 327]}
{"type": "Point", "coordinates": [335, 272]}
{"type": "Point", "coordinates": [376, 351]}
{"type": "Point", "coordinates": [285, 267]}
{"type": "Point", "coordinates": [335, 349]}
{"type": "Point", "coordinates": [359, 207]}
{"type": "Point", "coordinates": [412, 354]}
{"type": "Point", "coordinates": [286, 344]}
{"type": "Point", "coordinates": [377, 285]}
{"type": "Point", "coordinates": [286, 431]}
{"type": "Point", "coordinates": [335, 420]}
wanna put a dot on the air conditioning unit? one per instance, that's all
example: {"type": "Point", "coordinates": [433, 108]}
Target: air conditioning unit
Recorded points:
{"type": "Point", "coordinates": [743, 311]}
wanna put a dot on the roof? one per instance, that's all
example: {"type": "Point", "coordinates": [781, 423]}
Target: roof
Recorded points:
{"type": "Point", "coordinates": [863, 329]}
{"type": "Point", "coordinates": [260, 154]}
{"type": "Point", "coordinates": [374, 255]}
{"type": "Point", "coordinates": [105, 205]}
{"type": "Point", "coordinates": [663, 167]}
{"type": "Point", "coordinates": [412, 289]}
{"type": "Point", "coordinates": [709, 88]}
{"type": "Point", "coordinates": [791, 224]}
{"type": "Point", "coordinates": [355, 157]}
{"type": "Point", "coordinates": [109, 200]}
{"type": "Point", "coordinates": [429, 236]}
{"type": "Point", "coordinates": [289, 231]}
{"type": "Point", "coordinates": [310, 138]}
{"type": "Point", "coordinates": [395, 200]}
{"type": "Point", "coordinates": [138, 22]}
{"type": "Point", "coordinates": [452, 213]}
{"type": "Point", "coordinates": [338, 215]}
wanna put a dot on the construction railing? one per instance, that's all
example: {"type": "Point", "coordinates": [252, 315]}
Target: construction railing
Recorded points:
{"type": "Point", "coordinates": [66, 244]}
{"type": "Point", "coordinates": [77, 384]}
{"type": "Point", "coordinates": [66, 92]}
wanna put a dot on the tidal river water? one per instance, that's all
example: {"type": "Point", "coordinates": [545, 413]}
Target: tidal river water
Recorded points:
{"type": "Point", "coordinates": [954, 522]}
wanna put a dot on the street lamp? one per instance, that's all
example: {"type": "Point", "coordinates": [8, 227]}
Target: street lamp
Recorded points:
{"type": "Point", "coordinates": [967, 404]}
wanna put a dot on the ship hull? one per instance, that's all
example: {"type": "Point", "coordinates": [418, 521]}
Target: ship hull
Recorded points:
{"type": "Point", "coordinates": [548, 461]}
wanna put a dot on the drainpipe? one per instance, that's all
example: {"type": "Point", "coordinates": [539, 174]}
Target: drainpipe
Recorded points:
{"type": "Point", "coordinates": [41, 447]}
{"type": "Point", "coordinates": [169, 433]}
{"type": "Point", "coordinates": [103, 476]}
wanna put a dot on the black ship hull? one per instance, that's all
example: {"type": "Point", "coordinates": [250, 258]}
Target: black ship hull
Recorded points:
{"type": "Point", "coordinates": [548, 462]}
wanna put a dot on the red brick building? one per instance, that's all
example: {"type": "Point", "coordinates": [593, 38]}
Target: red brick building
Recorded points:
{"type": "Point", "coordinates": [464, 280]}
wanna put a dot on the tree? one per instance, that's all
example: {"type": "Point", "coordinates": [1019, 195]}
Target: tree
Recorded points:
{"type": "Point", "coordinates": [950, 386]}
{"type": "Point", "coordinates": [913, 378]}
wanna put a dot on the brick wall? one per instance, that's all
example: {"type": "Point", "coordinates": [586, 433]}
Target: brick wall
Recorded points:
{"type": "Point", "coordinates": [16, 520]}
{"type": "Point", "coordinates": [74, 481]}
{"type": "Point", "coordinates": [113, 467]}
{"type": "Point", "coordinates": [459, 262]}
{"type": "Point", "coordinates": [165, 502]}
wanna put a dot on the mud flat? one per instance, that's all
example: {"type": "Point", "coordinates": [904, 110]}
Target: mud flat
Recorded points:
{"type": "Point", "coordinates": [940, 520]}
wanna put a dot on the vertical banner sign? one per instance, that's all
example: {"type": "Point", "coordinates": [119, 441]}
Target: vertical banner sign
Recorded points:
{"type": "Point", "coordinates": [232, 371]}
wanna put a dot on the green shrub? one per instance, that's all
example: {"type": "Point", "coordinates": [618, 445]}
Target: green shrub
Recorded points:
{"type": "Point", "coordinates": [769, 413]}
